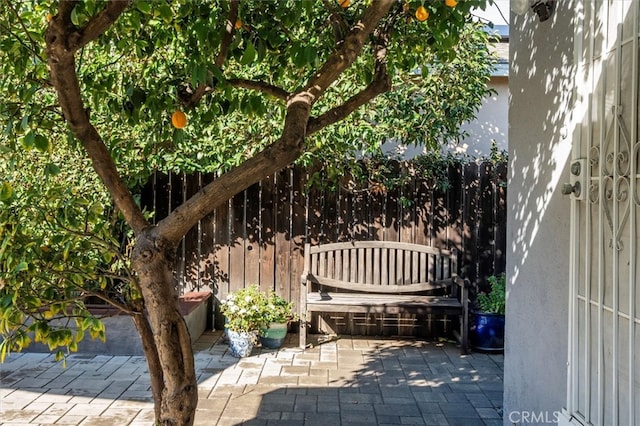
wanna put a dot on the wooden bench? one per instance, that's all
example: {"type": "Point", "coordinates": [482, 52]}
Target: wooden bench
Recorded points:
{"type": "Point", "coordinates": [382, 277]}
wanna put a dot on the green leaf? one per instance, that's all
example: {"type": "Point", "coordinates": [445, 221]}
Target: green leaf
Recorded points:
{"type": "Point", "coordinates": [75, 20]}
{"type": "Point", "coordinates": [249, 54]}
{"type": "Point", "coordinates": [29, 141]}
{"type": "Point", "coordinates": [22, 266]}
{"type": "Point", "coordinates": [6, 191]}
{"type": "Point", "coordinates": [165, 12]}
{"type": "Point", "coordinates": [52, 169]}
{"type": "Point", "coordinates": [217, 74]}
{"type": "Point", "coordinates": [310, 54]}
{"type": "Point", "coordinates": [144, 7]}
{"type": "Point", "coordinates": [24, 124]}
{"type": "Point", "coordinates": [41, 143]}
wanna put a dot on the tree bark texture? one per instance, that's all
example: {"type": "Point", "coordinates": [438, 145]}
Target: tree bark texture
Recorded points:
{"type": "Point", "coordinates": [153, 260]}
{"type": "Point", "coordinates": [153, 361]}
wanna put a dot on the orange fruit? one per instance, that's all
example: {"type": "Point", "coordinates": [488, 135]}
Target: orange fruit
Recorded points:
{"type": "Point", "coordinates": [49, 17]}
{"type": "Point", "coordinates": [451, 3]}
{"type": "Point", "coordinates": [179, 119]}
{"type": "Point", "coordinates": [421, 14]}
{"type": "Point", "coordinates": [344, 3]}
{"type": "Point", "coordinates": [238, 24]}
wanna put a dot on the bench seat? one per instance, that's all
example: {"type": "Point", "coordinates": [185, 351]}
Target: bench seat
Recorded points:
{"type": "Point", "coordinates": [382, 303]}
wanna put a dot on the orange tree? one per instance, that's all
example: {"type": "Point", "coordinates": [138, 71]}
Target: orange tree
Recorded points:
{"type": "Point", "coordinates": [98, 94]}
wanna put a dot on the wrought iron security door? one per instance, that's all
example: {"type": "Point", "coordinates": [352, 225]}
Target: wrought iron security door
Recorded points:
{"type": "Point", "coordinates": [604, 351]}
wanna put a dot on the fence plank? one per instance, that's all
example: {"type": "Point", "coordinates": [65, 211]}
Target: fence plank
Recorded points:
{"type": "Point", "coordinates": [252, 235]}
{"type": "Point", "coordinates": [500, 203]}
{"type": "Point", "coordinates": [298, 231]}
{"type": "Point", "coordinates": [192, 240]}
{"type": "Point", "coordinates": [283, 234]}
{"type": "Point", "coordinates": [208, 278]}
{"type": "Point", "coordinates": [469, 220]}
{"type": "Point", "coordinates": [267, 235]}
{"type": "Point", "coordinates": [236, 242]}
{"type": "Point", "coordinates": [454, 208]}
{"type": "Point", "coordinates": [422, 203]}
{"type": "Point", "coordinates": [485, 221]}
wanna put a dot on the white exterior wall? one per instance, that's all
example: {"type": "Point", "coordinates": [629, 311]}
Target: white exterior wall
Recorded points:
{"type": "Point", "coordinates": [491, 123]}
{"type": "Point", "coordinates": [540, 81]}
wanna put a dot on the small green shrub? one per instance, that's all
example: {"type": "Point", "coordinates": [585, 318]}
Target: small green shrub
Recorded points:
{"type": "Point", "coordinates": [493, 302]}
{"type": "Point", "coordinates": [278, 309]}
{"type": "Point", "coordinates": [250, 309]}
{"type": "Point", "coordinates": [244, 310]}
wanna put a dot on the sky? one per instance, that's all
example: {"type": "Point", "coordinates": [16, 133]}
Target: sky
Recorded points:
{"type": "Point", "coordinates": [492, 12]}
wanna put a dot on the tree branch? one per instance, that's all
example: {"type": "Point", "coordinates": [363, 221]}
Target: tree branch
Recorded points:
{"type": "Point", "coordinates": [381, 83]}
{"type": "Point", "coordinates": [34, 45]}
{"type": "Point", "coordinates": [336, 21]}
{"type": "Point", "coordinates": [260, 86]}
{"type": "Point", "coordinates": [227, 33]}
{"type": "Point", "coordinates": [100, 23]}
{"type": "Point", "coordinates": [65, 8]}
{"type": "Point", "coordinates": [348, 50]}
{"type": "Point", "coordinates": [227, 38]}
{"type": "Point", "coordinates": [64, 78]}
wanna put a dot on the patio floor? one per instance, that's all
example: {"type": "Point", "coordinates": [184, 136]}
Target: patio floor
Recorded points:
{"type": "Point", "coordinates": [347, 381]}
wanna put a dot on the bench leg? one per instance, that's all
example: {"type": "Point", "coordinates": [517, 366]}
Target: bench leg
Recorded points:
{"type": "Point", "coordinates": [464, 319]}
{"type": "Point", "coordinates": [303, 333]}
{"type": "Point", "coordinates": [464, 334]}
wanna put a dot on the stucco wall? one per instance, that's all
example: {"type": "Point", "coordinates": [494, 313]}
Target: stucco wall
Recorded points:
{"type": "Point", "coordinates": [491, 123]}
{"type": "Point", "coordinates": [540, 82]}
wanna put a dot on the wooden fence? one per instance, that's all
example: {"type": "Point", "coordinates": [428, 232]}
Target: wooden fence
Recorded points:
{"type": "Point", "coordinates": [258, 237]}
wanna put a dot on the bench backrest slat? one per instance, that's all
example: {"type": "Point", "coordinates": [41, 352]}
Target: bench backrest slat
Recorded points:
{"type": "Point", "coordinates": [378, 264]}
{"type": "Point", "coordinates": [390, 289]}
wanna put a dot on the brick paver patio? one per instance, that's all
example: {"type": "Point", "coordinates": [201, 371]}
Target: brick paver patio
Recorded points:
{"type": "Point", "coordinates": [349, 381]}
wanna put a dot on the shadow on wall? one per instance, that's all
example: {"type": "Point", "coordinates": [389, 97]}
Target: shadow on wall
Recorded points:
{"type": "Point", "coordinates": [541, 78]}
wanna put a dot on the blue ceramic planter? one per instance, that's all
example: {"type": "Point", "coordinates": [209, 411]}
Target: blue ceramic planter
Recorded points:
{"type": "Point", "coordinates": [273, 337]}
{"type": "Point", "coordinates": [241, 343]}
{"type": "Point", "coordinates": [487, 331]}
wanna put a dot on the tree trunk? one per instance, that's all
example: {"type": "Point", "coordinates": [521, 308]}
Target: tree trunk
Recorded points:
{"type": "Point", "coordinates": [153, 360]}
{"type": "Point", "coordinates": [172, 352]}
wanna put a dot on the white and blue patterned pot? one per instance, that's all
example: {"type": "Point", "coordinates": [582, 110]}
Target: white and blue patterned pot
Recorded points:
{"type": "Point", "coordinates": [241, 343]}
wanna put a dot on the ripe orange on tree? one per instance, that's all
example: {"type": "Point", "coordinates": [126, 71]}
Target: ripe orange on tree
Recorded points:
{"type": "Point", "coordinates": [421, 14]}
{"type": "Point", "coordinates": [49, 17]}
{"type": "Point", "coordinates": [451, 3]}
{"type": "Point", "coordinates": [238, 24]}
{"type": "Point", "coordinates": [344, 3]}
{"type": "Point", "coordinates": [179, 119]}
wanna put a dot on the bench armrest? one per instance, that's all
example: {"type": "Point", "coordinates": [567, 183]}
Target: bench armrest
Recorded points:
{"type": "Point", "coordinates": [461, 282]}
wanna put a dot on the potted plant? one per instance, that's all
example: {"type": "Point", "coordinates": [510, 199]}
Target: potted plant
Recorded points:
{"type": "Point", "coordinates": [244, 313]}
{"type": "Point", "coordinates": [487, 326]}
{"type": "Point", "coordinates": [277, 315]}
